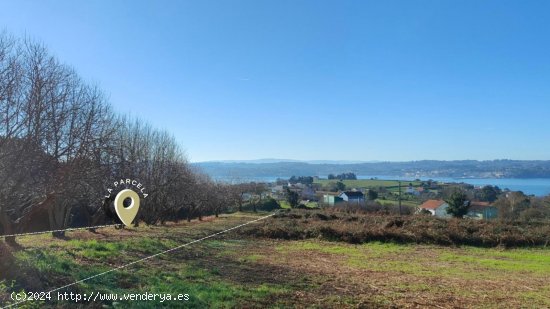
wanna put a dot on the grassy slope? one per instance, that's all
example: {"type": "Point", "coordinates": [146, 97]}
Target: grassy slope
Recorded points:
{"type": "Point", "coordinates": [391, 185]}
{"type": "Point", "coordinates": [235, 270]}
{"type": "Point", "coordinates": [46, 263]}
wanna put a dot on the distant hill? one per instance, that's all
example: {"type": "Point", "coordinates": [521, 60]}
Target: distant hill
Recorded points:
{"type": "Point", "coordinates": [262, 161]}
{"type": "Point", "coordinates": [426, 168]}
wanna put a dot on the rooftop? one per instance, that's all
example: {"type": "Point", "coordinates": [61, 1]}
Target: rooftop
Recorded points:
{"type": "Point", "coordinates": [432, 204]}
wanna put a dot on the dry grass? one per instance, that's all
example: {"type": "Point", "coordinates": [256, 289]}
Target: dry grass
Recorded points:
{"type": "Point", "coordinates": [338, 225]}
{"type": "Point", "coordinates": [341, 275]}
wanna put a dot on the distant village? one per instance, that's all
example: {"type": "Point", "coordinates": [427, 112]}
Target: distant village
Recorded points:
{"type": "Point", "coordinates": [406, 197]}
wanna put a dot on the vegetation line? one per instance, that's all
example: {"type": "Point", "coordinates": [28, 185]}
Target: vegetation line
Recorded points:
{"type": "Point", "coordinates": [145, 258]}
{"type": "Point", "coordinates": [63, 230]}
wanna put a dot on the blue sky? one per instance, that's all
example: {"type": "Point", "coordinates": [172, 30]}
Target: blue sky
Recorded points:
{"type": "Point", "coordinates": [340, 80]}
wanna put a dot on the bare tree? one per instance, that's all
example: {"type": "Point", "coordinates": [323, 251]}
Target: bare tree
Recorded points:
{"type": "Point", "coordinates": [61, 143]}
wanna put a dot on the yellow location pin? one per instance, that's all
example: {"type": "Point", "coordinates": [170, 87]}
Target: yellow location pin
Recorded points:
{"type": "Point", "coordinates": [127, 214]}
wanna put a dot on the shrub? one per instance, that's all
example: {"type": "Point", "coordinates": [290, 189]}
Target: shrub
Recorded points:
{"type": "Point", "coordinates": [337, 224]}
{"type": "Point", "coordinates": [268, 204]}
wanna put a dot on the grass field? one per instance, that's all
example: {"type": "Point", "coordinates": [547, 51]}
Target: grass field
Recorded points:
{"type": "Point", "coordinates": [236, 270]}
{"type": "Point", "coordinates": [411, 204]}
{"type": "Point", "coordinates": [285, 205]}
{"type": "Point", "coordinates": [390, 185]}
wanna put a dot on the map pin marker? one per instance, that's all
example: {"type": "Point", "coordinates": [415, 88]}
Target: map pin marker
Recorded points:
{"type": "Point", "coordinates": [127, 214]}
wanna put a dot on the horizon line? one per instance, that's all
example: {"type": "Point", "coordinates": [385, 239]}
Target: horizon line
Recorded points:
{"type": "Point", "coordinates": [273, 160]}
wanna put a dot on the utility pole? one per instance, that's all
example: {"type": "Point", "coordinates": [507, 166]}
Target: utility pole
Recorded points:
{"type": "Point", "coordinates": [399, 184]}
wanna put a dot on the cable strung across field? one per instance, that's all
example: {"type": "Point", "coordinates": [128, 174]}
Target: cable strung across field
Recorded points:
{"type": "Point", "coordinates": [64, 230]}
{"type": "Point", "coordinates": [145, 258]}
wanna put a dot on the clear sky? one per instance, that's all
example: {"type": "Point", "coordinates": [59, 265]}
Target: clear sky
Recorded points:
{"type": "Point", "coordinates": [340, 80]}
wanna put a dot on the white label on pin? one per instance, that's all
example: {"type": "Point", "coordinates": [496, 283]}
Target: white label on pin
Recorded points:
{"type": "Point", "coordinates": [127, 214]}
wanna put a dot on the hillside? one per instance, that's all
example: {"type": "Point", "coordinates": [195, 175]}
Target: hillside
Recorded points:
{"type": "Point", "coordinates": [427, 168]}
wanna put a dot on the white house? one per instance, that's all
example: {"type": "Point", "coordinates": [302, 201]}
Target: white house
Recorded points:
{"type": "Point", "coordinates": [353, 196]}
{"type": "Point", "coordinates": [477, 210]}
{"type": "Point", "coordinates": [437, 208]}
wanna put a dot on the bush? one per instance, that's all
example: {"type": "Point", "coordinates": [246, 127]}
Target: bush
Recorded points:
{"type": "Point", "coordinates": [358, 227]}
{"type": "Point", "coordinates": [268, 204]}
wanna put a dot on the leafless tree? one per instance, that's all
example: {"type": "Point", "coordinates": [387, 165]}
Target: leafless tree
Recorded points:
{"type": "Point", "coordinates": [61, 145]}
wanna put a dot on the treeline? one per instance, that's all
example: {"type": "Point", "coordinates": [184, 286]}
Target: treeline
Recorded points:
{"type": "Point", "coordinates": [305, 180]}
{"type": "Point", "coordinates": [511, 205]}
{"type": "Point", "coordinates": [343, 176]}
{"type": "Point", "coordinates": [62, 146]}
{"type": "Point", "coordinates": [518, 206]}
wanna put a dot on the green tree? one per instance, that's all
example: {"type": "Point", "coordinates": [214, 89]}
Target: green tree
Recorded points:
{"type": "Point", "coordinates": [292, 197]}
{"type": "Point", "coordinates": [458, 205]}
{"type": "Point", "coordinates": [372, 195]}
{"type": "Point", "coordinates": [490, 193]}
{"type": "Point", "coordinates": [335, 186]}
